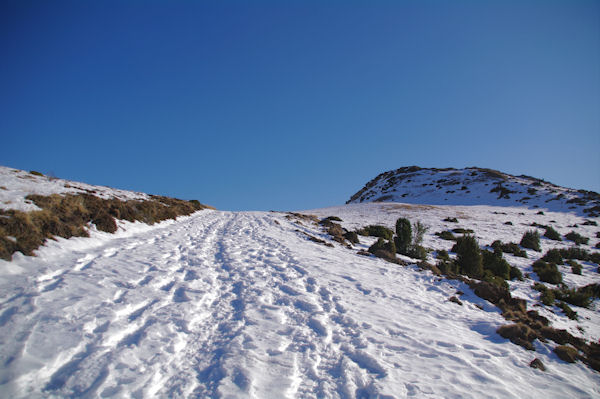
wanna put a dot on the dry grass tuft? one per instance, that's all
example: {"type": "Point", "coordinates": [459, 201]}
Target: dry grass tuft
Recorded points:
{"type": "Point", "coordinates": [68, 215]}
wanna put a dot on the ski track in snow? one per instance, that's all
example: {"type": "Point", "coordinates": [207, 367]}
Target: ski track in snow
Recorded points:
{"type": "Point", "coordinates": [240, 305]}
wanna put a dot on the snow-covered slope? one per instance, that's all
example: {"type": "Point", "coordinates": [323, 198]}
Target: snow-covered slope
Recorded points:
{"type": "Point", "coordinates": [223, 304]}
{"type": "Point", "coordinates": [474, 186]}
{"type": "Point", "coordinates": [252, 304]}
{"type": "Point", "coordinates": [17, 184]}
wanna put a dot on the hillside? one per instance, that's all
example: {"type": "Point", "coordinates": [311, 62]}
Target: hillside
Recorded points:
{"type": "Point", "coordinates": [35, 208]}
{"type": "Point", "coordinates": [474, 186]}
{"type": "Point", "coordinates": [304, 305]}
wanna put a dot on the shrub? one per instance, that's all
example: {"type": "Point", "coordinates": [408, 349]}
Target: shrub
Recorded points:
{"type": "Point", "coordinates": [598, 234]}
{"type": "Point", "coordinates": [519, 333]}
{"type": "Point", "coordinates": [333, 219]}
{"type": "Point", "coordinates": [445, 264]}
{"type": "Point", "coordinates": [592, 289]}
{"type": "Point", "coordinates": [442, 254]}
{"type": "Point", "coordinates": [511, 248]}
{"type": "Point", "coordinates": [553, 256]}
{"type": "Point", "coordinates": [497, 265]}
{"type": "Point", "coordinates": [547, 272]}
{"type": "Point", "coordinates": [575, 253]}
{"type": "Point", "coordinates": [575, 267]}
{"type": "Point", "coordinates": [383, 248]}
{"type": "Point", "coordinates": [36, 173]}
{"type": "Point", "coordinates": [468, 257]}
{"type": "Point", "coordinates": [515, 273]}
{"type": "Point", "coordinates": [451, 220]}
{"type": "Point", "coordinates": [595, 257]}
{"type": "Point", "coordinates": [547, 297]}
{"type": "Point", "coordinates": [576, 238]}
{"type": "Point", "coordinates": [531, 240]}
{"type": "Point", "coordinates": [552, 234]}
{"type": "Point", "coordinates": [195, 203]}
{"type": "Point", "coordinates": [352, 237]}
{"type": "Point", "coordinates": [539, 287]}
{"type": "Point", "coordinates": [580, 298]}
{"type": "Point", "coordinates": [498, 281]}
{"type": "Point", "coordinates": [382, 244]}
{"type": "Point", "coordinates": [570, 313]}
{"type": "Point", "coordinates": [417, 252]}
{"type": "Point", "coordinates": [460, 230]}
{"type": "Point", "coordinates": [419, 230]}
{"type": "Point", "coordinates": [447, 267]}
{"type": "Point", "coordinates": [403, 235]}
{"type": "Point", "coordinates": [446, 235]}
{"type": "Point", "coordinates": [377, 231]}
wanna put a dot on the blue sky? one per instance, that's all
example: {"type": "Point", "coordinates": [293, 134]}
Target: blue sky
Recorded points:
{"type": "Point", "coordinates": [296, 105]}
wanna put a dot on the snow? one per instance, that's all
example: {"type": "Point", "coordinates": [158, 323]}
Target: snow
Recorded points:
{"type": "Point", "coordinates": [472, 186]}
{"type": "Point", "coordinates": [223, 304]}
{"type": "Point", "coordinates": [16, 184]}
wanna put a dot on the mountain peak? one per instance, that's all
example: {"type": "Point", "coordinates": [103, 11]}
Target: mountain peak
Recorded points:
{"type": "Point", "coordinates": [474, 186]}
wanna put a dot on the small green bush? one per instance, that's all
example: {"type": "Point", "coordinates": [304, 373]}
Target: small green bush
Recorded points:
{"type": "Point", "coordinates": [382, 245]}
{"type": "Point", "coordinates": [574, 297]}
{"type": "Point", "coordinates": [460, 230]}
{"type": "Point", "coordinates": [442, 254]}
{"type": "Point", "coordinates": [352, 237]}
{"type": "Point", "coordinates": [377, 231]}
{"type": "Point", "coordinates": [531, 240]}
{"type": "Point", "coordinates": [445, 264]}
{"type": "Point", "coordinates": [552, 234]}
{"type": "Point", "coordinates": [547, 297]}
{"type": "Point", "coordinates": [468, 257]}
{"type": "Point", "coordinates": [575, 253]}
{"type": "Point", "coordinates": [577, 238]}
{"type": "Point", "coordinates": [595, 257]}
{"type": "Point", "coordinates": [451, 220]}
{"type": "Point", "coordinates": [598, 234]}
{"type": "Point", "coordinates": [575, 267]}
{"type": "Point", "coordinates": [511, 248]}
{"type": "Point", "coordinates": [417, 252]}
{"type": "Point", "coordinates": [446, 235]}
{"type": "Point", "coordinates": [497, 265]}
{"type": "Point", "coordinates": [403, 235]}
{"type": "Point", "coordinates": [553, 256]}
{"type": "Point", "coordinates": [36, 173]}
{"type": "Point", "coordinates": [515, 273]}
{"type": "Point", "coordinates": [591, 290]}
{"type": "Point", "coordinates": [539, 287]}
{"type": "Point", "coordinates": [498, 281]}
{"type": "Point", "coordinates": [333, 219]}
{"type": "Point", "coordinates": [547, 272]}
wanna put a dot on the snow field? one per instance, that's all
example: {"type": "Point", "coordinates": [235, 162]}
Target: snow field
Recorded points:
{"type": "Point", "coordinates": [223, 304]}
{"type": "Point", "coordinates": [487, 222]}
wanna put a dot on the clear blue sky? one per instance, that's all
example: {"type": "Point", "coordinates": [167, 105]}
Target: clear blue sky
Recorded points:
{"type": "Point", "coordinates": [251, 105]}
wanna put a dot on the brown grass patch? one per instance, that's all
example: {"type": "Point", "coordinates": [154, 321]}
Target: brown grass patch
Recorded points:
{"type": "Point", "coordinates": [67, 216]}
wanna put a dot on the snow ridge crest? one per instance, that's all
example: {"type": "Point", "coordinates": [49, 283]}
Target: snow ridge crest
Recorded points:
{"type": "Point", "coordinates": [475, 186]}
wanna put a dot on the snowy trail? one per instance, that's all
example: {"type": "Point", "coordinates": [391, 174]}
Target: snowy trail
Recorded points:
{"type": "Point", "coordinates": [242, 305]}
